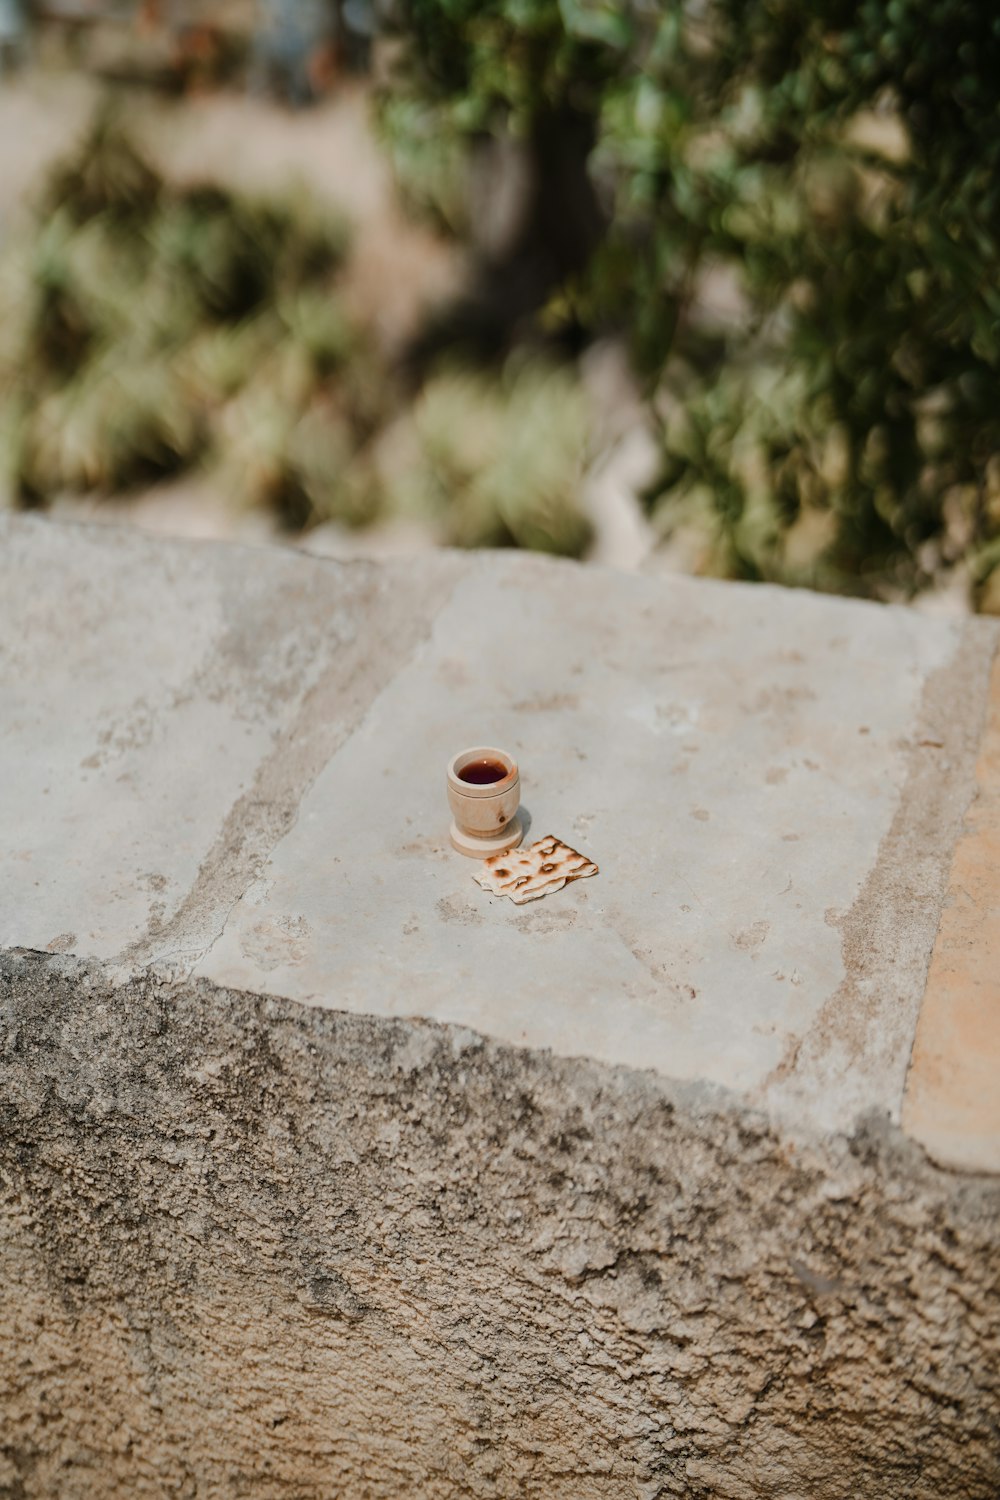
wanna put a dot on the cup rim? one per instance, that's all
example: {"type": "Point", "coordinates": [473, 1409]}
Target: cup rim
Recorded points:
{"type": "Point", "coordinates": [489, 788]}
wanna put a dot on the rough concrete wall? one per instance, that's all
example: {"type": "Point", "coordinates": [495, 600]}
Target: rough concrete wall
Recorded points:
{"type": "Point", "coordinates": [254, 1249]}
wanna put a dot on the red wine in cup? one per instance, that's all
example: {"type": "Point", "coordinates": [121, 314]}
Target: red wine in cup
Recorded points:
{"type": "Point", "coordinates": [482, 772]}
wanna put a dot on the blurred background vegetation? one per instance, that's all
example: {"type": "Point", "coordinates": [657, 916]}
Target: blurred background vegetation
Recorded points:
{"type": "Point", "coordinates": [763, 235]}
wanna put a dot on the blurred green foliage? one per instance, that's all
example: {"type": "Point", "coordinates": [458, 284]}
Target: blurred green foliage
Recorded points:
{"type": "Point", "coordinates": [144, 328]}
{"type": "Point", "coordinates": [428, 159]}
{"type": "Point", "coordinates": [803, 244]}
{"type": "Point", "coordinates": [501, 459]}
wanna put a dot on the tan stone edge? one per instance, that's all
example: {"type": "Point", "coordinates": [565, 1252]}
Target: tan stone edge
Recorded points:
{"type": "Point", "coordinates": [952, 1099]}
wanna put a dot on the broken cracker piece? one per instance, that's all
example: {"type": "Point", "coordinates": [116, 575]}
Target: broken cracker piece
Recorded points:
{"type": "Point", "coordinates": [528, 874]}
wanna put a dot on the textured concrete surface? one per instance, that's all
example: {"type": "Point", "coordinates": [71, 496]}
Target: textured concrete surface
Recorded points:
{"type": "Point", "coordinates": [257, 1249]}
{"type": "Point", "coordinates": [325, 1173]}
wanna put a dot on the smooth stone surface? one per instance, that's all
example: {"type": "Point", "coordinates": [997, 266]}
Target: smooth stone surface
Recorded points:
{"type": "Point", "coordinates": [225, 763]}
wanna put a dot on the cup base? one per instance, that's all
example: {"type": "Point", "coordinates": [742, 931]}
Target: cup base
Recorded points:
{"type": "Point", "coordinates": [493, 843]}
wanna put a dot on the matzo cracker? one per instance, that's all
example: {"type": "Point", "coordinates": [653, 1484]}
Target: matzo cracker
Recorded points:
{"type": "Point", "coordinates": [528, 874]}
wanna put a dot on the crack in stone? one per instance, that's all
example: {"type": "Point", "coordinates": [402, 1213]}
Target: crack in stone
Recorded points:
{"type": "Point", "coordinates": [260, 819]}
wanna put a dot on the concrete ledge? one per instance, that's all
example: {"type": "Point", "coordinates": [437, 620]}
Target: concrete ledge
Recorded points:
{"type": "Point", "coordinates": [952, 1103]}
{"type": "Point", "coordinates": [258, 1248]}
{"type": "Point", "coordinates": [228, 763]}
{"type": "Point", "coordinates": [325, 1173]}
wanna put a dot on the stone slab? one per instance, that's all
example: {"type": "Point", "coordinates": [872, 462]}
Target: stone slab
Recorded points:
{"type": "Point", "coordinates": [228, 764]}
{"type": "Point", "coordinates": [322, 1173]}
{"type": "Point", "coordinates": [162, 706]}
{"type": "Point", "coordinates": [952, 1103]}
